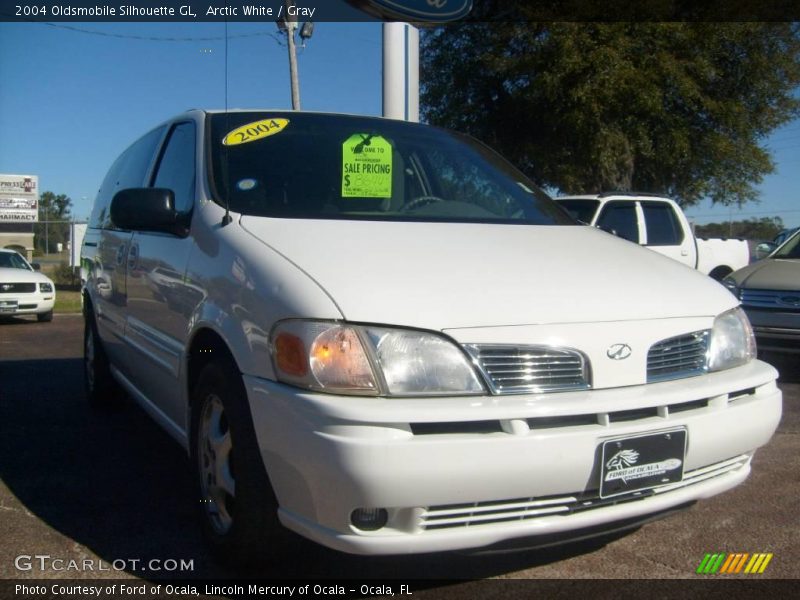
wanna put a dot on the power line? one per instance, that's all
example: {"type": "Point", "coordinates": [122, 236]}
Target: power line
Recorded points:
{"type": "Point", "coordinates": [159, 38]}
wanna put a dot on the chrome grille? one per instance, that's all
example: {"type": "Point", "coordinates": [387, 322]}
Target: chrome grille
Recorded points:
{"type": "Point", "coordinates": [474, 514]}
{"type": "Point", "coordinates": [677, 357]}
{"type": "Point", "coordinates": [521, 369]}
{"type": "Point", "coordinates": [779, 299]}
{"type": "Point", "coordinates": [17, 288]}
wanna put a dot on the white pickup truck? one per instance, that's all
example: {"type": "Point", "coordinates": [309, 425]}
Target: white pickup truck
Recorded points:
{"type": "Point", "coordinates": [659, 224]}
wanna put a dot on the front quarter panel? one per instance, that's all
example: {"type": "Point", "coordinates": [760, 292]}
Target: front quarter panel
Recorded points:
{"type": "Point", "coordinates": [248, 287]}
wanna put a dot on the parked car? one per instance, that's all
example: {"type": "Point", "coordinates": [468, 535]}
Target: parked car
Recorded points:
{"type": "Point", "coordinates": [368, 339]}
{"type": "Point", "coordinates": [764, 249]}
{"type": "Point", "coordinates": [784, 235]}
{"type": "Point", "coordinates": [23, 290]}
{"type": "Point", "coordinates": [770, 294]}
{"type": "Point", "coordinates": [659, 224]}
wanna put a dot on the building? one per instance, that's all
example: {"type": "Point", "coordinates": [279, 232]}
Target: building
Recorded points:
{"type": "Point", "coordinates": [19, 210]}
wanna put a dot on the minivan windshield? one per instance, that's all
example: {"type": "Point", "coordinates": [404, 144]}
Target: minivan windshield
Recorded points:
{"type": "Point", "coordinates": [306, 165]}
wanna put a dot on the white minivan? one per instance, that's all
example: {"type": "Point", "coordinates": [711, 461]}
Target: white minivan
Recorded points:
{"type": "Point", "coordinates": [383, 337]}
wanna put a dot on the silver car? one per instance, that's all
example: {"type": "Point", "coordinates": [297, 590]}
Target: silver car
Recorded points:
{"type": "Point", "coordinates": [770, 294]}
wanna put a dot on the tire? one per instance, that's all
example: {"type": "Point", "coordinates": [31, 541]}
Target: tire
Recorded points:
{"type": "Point", "coordinates": [45, 317]}
{"type": "Point", "coordinates": [102, 391]}
{"type": "Point", "coordinates": [720, 273]}
{"type": "Point", "coordinates": [238, 508]}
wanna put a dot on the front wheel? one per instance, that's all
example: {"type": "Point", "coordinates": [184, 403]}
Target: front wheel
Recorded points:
{"type": "Point", "coordinates": [45, 317]}
{"type": "Point", "coordinates": [237, 506]}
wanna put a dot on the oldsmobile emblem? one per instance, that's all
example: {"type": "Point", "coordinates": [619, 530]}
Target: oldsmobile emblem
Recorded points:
{"type": "Point", "coordinates": [619, 351]}
{"type": "Point", "coordinates": [7, 286]}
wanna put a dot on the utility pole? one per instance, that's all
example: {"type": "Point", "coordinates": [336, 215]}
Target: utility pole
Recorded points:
{"type": "Point", "coordinates": [291, 25]}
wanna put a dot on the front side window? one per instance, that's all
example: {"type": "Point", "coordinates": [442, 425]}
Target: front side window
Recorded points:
{"type": "Point", "coordinates": [176, 169]}
{"type": "Point", "coordinates": [338, 167]}
{"type": "Point", "coordinates": [663, 228]}
{"type": "Point", "coordinates": [620, 218]}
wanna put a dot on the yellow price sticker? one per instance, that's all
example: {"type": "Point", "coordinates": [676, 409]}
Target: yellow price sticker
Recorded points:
{"type": "Point", "coordinates": [254, 131]}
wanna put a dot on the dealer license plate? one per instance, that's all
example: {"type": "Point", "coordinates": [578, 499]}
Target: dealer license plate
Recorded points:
{"type": "Point", "coordinates": [642, 462]}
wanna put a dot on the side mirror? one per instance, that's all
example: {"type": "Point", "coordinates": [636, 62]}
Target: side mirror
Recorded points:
{"type": "Point", "coordinates": [147, 209]}
{"type": "Point", "coordinates": [764, 249]}
{"type": "Point", "coordinates": [36, 266]}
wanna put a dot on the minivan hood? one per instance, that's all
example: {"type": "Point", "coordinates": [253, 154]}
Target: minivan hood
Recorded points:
{"type": "Point", "coordinates": [452, 275]}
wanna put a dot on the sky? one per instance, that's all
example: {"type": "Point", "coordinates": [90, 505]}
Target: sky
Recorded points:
{"type": "Point", "coordinates": [72, 100]}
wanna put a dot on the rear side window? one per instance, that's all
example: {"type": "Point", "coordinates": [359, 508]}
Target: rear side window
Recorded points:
{"type": "Point", "coordinates": [128, 171]}
{"type": "Point", "coordinates": [663, 228]}
{"type": "Point", "coordinates": [620, 218]}
{"type": "Point", "coordinates": [176, 169]}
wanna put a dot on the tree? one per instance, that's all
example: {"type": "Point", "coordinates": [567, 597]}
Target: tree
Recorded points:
{"type": "Point", "coordinates": [675, 108]}
{"type": "Point", "coordinates": [765, 228]}
{"type": "Point", "coordinates": [52, 208]}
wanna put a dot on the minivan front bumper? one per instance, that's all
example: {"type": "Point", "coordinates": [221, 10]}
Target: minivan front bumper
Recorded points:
{"type": "Point", "coordinates": [466, 472]}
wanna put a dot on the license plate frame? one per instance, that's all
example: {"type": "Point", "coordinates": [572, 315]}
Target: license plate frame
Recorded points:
{"type": "Point", "coordinates": [8, 307]}
{"type": "Point", "coordinates": [642, 461]}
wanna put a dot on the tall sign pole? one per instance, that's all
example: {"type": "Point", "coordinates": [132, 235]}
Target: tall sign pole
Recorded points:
{"type": "Point", "coordinates": [401, 71]}
{"type": "Point", "coordinates": [401, 46]}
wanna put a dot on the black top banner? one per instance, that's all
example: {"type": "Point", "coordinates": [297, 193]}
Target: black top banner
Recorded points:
{"type": "Point", "coordinates": [74, 11]}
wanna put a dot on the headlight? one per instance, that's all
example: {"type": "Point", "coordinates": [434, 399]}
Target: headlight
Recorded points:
{"type": "Point", "coordinates": [418, 363]}
{"type": "Point", "coordinates": [730, 283]}
{"type": "Point", "coordinates": [732, 341]}
{"type": "Point", "coordinates": [46, 288]}
{"type": "Point", "coordinates": [356, 359]}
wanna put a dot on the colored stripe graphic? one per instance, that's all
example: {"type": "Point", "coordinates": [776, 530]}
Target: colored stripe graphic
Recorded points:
{"type": "Point", "coordinates": [718, 564]}
{"type": "Point", "coordinates": [703, 564]}
{"type": "Point", "coordinates": [722, 563]}
{"type": "Point", "coordinates": [711, 563]}
{"type": "Point", "coordinates": [727, 564]}
{"type": "Point", "coordinates": [741, 562]}
{"type": "Point", "coordinates": [734, 563]}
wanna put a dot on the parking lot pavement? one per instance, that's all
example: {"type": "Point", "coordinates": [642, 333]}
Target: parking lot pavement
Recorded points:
{"type": "Point", "coordinates": [108, 487]}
